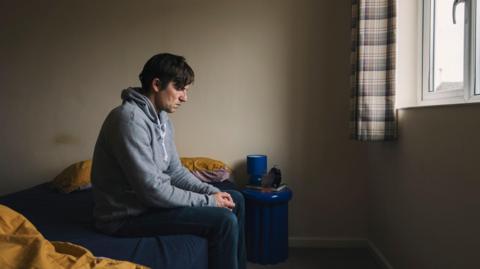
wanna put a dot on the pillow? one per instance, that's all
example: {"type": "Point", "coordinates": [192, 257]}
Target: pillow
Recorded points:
{"type": "Point", "coordinates": [206, 169]}
{"type": "Point", "coordinates": [203, 164]}
{"type": "Point", "coordinates": [73, 178]}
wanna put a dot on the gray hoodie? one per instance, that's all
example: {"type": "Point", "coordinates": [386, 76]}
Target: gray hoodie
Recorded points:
{"type": "Point", "coordinates": [136, 165]}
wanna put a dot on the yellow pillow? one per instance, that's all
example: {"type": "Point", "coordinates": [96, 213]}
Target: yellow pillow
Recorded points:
{"type": "Point", "coordinates": [203, 164]}
{"type": "Point", "coordinates": [75, 177]}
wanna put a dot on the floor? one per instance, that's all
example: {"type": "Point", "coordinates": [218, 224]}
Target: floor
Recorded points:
{"type": "Point", "coordinates": [323, 258]}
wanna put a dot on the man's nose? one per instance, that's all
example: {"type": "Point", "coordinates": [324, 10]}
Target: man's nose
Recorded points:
{"type": "Point", "coordinates": [183, 96]}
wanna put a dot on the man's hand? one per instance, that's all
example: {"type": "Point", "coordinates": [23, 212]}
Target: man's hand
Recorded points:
{"type": "Point", "coordinates": [224, 199]}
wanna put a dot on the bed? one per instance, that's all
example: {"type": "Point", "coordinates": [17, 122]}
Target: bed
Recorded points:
{"type": "Point", "coordinates": [68, 217]}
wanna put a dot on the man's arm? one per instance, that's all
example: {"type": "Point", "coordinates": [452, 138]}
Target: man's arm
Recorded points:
{"type": "Point", "coordinates": [130, 143]}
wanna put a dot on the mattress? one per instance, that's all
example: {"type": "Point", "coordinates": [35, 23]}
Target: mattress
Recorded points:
{"type": "Point", "coordinates": [68, 217]}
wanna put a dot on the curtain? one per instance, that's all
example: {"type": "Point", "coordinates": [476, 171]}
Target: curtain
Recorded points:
{"type": "Point", "coordinates": [373, 116]}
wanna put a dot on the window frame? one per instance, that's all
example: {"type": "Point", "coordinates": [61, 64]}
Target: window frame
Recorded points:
{"type": "Point", "coordinates": [471, 59]}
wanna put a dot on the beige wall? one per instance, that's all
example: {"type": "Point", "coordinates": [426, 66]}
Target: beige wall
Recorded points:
{"type": "Point", "coordinates": [424, 190]}
{"type": "Point", "coordinates": [409, 53]}
{"type": "Point", "coordinates": [272, 77]}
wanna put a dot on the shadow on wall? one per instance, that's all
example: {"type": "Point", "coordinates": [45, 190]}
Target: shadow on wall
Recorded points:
{"type": "Point", "coordinates": [329, 168]}
{"type": "Point", "coordinates": [320, 89]}
{"type": "Point", "coordinates": [240, 173]}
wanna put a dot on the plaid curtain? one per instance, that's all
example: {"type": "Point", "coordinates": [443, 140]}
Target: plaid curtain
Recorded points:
{"type": "Point", "coordinates": [373, 70]}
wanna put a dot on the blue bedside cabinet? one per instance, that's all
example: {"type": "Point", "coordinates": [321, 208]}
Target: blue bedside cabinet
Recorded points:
{"type": "Point", "coordinates": [266, 225]}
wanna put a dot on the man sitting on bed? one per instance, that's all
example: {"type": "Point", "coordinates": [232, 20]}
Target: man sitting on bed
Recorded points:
{"type": "Point", "coordinates": [140, 187]}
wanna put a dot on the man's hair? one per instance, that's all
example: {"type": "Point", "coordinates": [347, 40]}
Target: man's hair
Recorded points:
{"type": "Point", "coordinates": [167, 68]}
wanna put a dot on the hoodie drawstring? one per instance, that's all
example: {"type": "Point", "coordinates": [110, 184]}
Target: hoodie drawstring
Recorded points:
{"type": "Point", "coordinates": [162, 136]}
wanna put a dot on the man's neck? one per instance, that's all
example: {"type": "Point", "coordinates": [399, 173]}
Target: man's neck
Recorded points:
{"type": "Point", "coordinates": [151, 97]}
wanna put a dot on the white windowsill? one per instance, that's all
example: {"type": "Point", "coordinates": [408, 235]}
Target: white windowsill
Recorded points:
{"type": "Point", "coordinates": [442, 102]}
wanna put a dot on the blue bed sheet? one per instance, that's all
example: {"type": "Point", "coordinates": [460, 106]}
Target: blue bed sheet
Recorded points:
{"type": "Point", "coordinates": [68, 217]}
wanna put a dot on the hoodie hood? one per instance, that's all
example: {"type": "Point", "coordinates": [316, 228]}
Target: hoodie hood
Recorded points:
{"type": "Point", "coordinates": [133, 95]}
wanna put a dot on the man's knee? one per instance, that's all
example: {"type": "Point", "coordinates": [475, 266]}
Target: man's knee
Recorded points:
{"type": "Point", "coordinates": [237, 197]}
{"type": "Point", "coordinates": [227, 220]}
{"type": "Point", "coordinates": [229, 217]}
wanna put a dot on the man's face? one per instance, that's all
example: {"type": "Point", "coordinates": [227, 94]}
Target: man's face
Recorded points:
{"type": "Point", "coordinates": [171, 98]}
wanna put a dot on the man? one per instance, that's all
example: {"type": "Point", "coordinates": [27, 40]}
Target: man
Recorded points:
{"type": "Point", "coordinates": [140, 187]}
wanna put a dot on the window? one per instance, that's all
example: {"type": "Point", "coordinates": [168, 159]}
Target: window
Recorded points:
{"type": "Point", "coordinates": [450, 62]}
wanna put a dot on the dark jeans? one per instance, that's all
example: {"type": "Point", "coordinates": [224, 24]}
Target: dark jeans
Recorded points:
{"type": "Point", "coordinates": [224, 229]}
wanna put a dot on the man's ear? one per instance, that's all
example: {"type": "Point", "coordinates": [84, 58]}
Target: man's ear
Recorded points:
{"type": "Point", "coordinates": [156, 85]}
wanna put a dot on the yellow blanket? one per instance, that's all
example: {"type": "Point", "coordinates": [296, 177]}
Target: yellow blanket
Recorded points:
{"type": "Point", "coordinates": [23, 246]}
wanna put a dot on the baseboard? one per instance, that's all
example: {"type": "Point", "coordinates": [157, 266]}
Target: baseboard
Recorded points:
{"type": "Point", "coordinates": [320, 242]}
{"type": "Point", "coordinates": [379, 256]}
